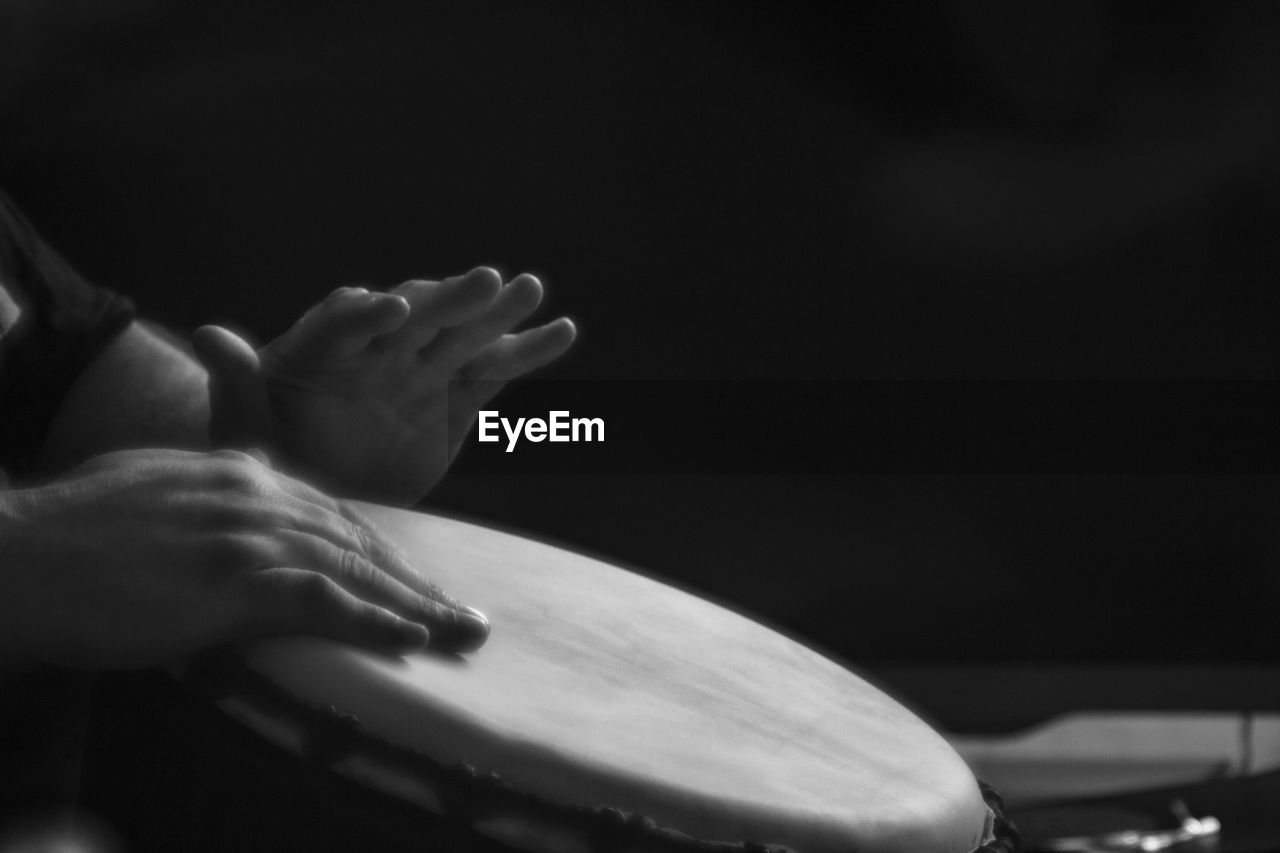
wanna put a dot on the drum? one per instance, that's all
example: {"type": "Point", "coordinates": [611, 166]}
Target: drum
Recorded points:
{"type": "Point", "coordinates": [606, 712]}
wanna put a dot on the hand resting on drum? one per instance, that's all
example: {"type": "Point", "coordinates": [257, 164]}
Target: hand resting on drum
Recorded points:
{"type": "Point", "coordinates": [141, 557]}
{"type": "Point", "coordinates": [371, 394]}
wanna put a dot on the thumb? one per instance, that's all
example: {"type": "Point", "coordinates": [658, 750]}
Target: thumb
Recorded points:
{"type": "Point", "coordinates": [238, 412]}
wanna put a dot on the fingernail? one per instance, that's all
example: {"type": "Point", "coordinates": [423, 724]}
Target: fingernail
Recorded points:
{"type": "Point", "coordinates": [478, 619]}
{"type": "Point", "coordinates": [467, 632]}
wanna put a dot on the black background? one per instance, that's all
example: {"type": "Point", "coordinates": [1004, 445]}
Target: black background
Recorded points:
{"type": "Point", "coordinates": [742, 191]}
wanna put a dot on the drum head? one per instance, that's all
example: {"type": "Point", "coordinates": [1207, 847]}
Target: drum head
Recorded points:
{"type": "Point", "coordinates": [600, 687]}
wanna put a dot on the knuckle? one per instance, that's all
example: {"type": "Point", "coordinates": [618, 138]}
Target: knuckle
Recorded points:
{"type": "Point", "coordinates": [314, 591]}
{"type": "Point", "coordinates": [342, 298]}
{"type": "Point", "coordinates": [233, 456]}
{"type": "Point", "coordinates": [373, 545]}
{"type": "Point", "coordinates": [430, 609]}
{"type": "Point", "coordinates": [438, 596]}
{"type": "Point", "coordinates": [242, 474]}
{"type": "Point", "coordinates": [359, 570]}
{"type": "Point", "coordinates": [365, 540]}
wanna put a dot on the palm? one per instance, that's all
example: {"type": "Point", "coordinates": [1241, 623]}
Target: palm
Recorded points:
{"type": "Point", "coordinates": [379, 434]}
{"type": "Point", "coordinates": [371, 394]}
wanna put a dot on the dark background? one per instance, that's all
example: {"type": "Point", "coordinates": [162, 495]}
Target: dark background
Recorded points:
{"type": "Point", "coordinates": [740, 191]}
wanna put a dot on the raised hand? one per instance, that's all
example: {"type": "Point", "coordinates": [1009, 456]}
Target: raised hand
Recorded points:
{"type": "Point", "coordinates": [370, 394]}
{"type": "Point", "coordinates": [141, 557]}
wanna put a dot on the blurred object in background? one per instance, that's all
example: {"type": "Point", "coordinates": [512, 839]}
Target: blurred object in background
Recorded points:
{"type": "Point", "coordinates": [925, 189]}
{"type": "Point", "coordinates": [1086, 754]}
{"type": "Point", "coordinates": [1111, 829]}
{"type": "Point", "coordinates": [1102, 120]}
{"type": "Point", "coordinates": [34, 35]}
{"type": "Point", "coordinates": [58, 832]}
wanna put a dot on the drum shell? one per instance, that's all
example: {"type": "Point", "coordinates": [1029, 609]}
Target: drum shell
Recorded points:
{"type": "Point", "coordinates": [169, 771]}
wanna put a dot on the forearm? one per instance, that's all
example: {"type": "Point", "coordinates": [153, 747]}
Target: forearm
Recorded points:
{"type": "Point", "coordinates": [143, 390]}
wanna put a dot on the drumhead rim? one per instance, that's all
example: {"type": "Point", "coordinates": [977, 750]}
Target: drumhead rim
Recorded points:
{"type": "Point", "coordinates": [463, 793]}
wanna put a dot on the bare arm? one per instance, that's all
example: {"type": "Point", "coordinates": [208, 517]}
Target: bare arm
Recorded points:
{"type": "Point", "coordinates": [367, 395]}
{"type": "Point", "coordinates": [141, 556]}
{"type": "Point", "coordinates": [144, 390]}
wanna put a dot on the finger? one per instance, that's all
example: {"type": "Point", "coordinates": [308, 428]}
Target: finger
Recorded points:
{"type": "Point", "coordinates": [456, 626]}
{"type": "Point", "coordinates": [436, 305]}
{"type": "Point", "coordinates": [456, 346]}
{"type": "Point", "coordinates": [296, 601]}
{"type": "Point", "coordinates": [131, 458]}
{"type": "Point", "coordinates": [249, 456]}
{"type": "Point", "coordinates": [320, 514]}
{"type": "Point", "coordinates": [336, 522]}
{"type": "Point", "coordinates": [450, 629]}
{"type": "Point", "coordinates": [382, 551]}
{"type": "Point", "coordinates": [239, 413]}
{"type": "Point", "coordinates": [258, 455]}
{"type": "Point", "coordinates": [507, 358]}
{"type": "Point", "coordinates": [343, 325]}
{"type": "Point", "coordinates": [514, 355]}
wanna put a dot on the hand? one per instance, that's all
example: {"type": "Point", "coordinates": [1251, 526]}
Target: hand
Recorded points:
{"type": "Point", "coordinates": [141, 557]}
{"type": "Point", "coordinates": [371, 394]}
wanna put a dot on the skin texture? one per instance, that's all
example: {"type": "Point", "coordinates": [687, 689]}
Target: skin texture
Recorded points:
{"type": "Point", "coordinates": [370, 394]}
{"type": "Point", "coordinates": [142, 390]}
{"type": "Point", "coordinates": [139, 557]}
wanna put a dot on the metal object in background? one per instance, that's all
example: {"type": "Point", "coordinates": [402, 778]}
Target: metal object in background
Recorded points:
{"type": "Point", "coordinates": [1116, 829]}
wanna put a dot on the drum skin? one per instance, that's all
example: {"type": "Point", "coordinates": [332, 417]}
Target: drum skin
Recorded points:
{"type": "Point", "coordinates": [602, 687]}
